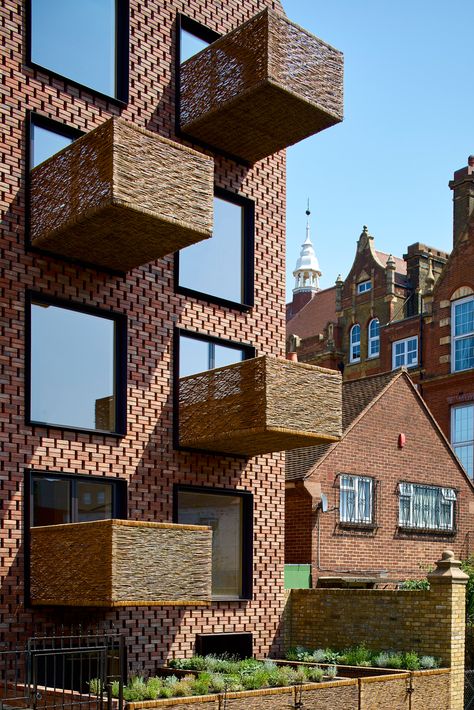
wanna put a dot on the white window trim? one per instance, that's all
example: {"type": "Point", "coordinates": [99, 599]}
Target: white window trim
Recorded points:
{"type": "Point", "coordinates": [364, 286]}
{"type": "Point", "coordinates": [348, 482]}
{"type": "Point", "coordinates": [455, 338]}
{"type": "Point", "coordinates": [357, 342]}
{"type": "Point", "coordinates": [371, 339]}
{"type": "Point", "coordinates": [405, 340]}
{"type": "Point", "coordinates": [407, 490]}
{"type": "Point", "coordinates": [465, 443]}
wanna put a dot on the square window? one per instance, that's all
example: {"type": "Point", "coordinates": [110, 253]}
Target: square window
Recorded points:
{"type": "Point", "coordinates": [220, 269]}
{"type": "Point", "coordinates": [77, 367]}
{"type": "Point", "coordinates": [84, 42]}
{"type": "Point", "coordinates": [405, 353]}
{"type": "Point", "coordinates": [230, 514]}
{"type": "Point", "coordinates": [356, 500]}
{"type": "Point", "coordinates": [364, 286]}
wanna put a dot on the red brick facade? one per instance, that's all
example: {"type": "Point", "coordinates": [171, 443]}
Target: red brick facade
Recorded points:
{"type": "Point", "coordinates": [145, 457]}
{"type": "Point", "coordinates": [370, 447]}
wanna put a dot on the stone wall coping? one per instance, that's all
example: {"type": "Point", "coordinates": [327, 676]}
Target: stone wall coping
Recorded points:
{"type": "Point", "coordinates": [448, 571]}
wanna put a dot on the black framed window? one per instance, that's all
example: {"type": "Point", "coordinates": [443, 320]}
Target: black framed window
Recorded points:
{"type": "Point", "coordinates": [76, 369]}
{"type": "Point", "coordinates": [230, 514]}
{"type": "Point", "coordinates": [192, 37]}
{"type": "Point", "coordinates": [221, 269]}
{"type": "Point", "coordinates": [84, 43]}
{"type": "Point", "coordinates": [57, 498]}
{"type": "Point", "coordinates": [47, 137]}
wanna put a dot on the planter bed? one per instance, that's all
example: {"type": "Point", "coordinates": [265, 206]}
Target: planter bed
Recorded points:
{"type": "Point", "coordinates": [348, 671]}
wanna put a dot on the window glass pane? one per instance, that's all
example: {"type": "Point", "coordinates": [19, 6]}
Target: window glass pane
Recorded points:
{"type": "Point", "coordinates": [94, 501]}
{"type": "Point", "coordinates": [215, 266]}
{"type": "Point", "coordinates": [72, 368]}
{"type": "Point", "coordinates": [464, 353]}
{"type": "Point", "coordinates": [465, 455]}
{"type": "Point", "coordinates": [193, 356]}
{"type": "Point", "coordinates": [224, 514]}
{"type": "Point", "coordinates": [45, 144]}
{"type": "Point", "coordinates": [190, 45]}
{"type": "Point", "coordinates": [76, 40]}
{"type": "Point", "coordinates": [227, 356]}
{"type": "Point", "coordinates": [428, 507]}
{"type": "Point", "coordinates": [51, 501]}
{"type": "Point", "coordinates": [463, 424]}
{"type": "Point", "coordinates": [464, 318]}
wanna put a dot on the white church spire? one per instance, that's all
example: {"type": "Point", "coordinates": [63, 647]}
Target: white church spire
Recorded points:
{"type": "Point", "coordinates": [307, 271]}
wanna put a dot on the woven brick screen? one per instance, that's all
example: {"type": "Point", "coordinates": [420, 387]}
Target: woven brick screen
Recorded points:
{"type": "Point", "coordinates": [120, 197]}
{"type": "Point", "coordinates": [259, 406]}
{"type": "Point", "coordinates": [262, 87]}
{"type": "Point", "coordinates": [119, 563]}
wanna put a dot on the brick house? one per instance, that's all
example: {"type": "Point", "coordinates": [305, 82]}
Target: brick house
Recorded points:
{"type": "Point", "coordinates": [110, 396]}
{"type": "Point", "coordinates": [416, 312]}
{"type": "Point", "coordinates": [395, 493]}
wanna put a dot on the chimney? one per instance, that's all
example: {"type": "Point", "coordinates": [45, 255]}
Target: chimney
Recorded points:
{"type": "Point", "coordinates": [463, 201]}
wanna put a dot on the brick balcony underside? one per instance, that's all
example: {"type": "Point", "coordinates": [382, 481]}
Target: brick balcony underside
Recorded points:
{"type": "Point", "coordinates": [111, 563]}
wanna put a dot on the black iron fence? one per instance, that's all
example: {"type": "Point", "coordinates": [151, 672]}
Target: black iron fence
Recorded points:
{"type": "Point", "coordinates": [64, 672]}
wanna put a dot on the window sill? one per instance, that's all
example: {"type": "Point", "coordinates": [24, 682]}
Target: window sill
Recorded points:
{"type": "Point", "coordinates": [357, 526]}
{"type": "Point", "coordinates": [208, 298]}
{"type": "Point", "coordinates": [426, 531]}
{"type": "Point", "coordinates": [354, 362]}
{"type": "Point", "coordinates": [80, 430]}
{"type": "Point", "coordinates": [121, 102]}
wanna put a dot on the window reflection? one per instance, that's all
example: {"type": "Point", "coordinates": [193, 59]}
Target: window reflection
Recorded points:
{"type": "Point", "coordinates": [51, 501]}
{"type": "Point", "coordinates": [190, 45]}
{"type": "Point", "coordinates": [196, 355]}
{"type": "Point", "coordinates": [72, 380]}
{"type": "Point", "coordinates": [46, 143]}
{"type": "Point", "coordinates": [76, 40]}
{"type": "Point", "coordinates": [59, 499]}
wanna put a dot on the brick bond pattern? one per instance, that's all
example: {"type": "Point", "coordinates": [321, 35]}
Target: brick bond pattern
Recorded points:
{"type": "Point", "coordinates": [145, 457]}
{"type": "Point", "coordinates": [371, 449]}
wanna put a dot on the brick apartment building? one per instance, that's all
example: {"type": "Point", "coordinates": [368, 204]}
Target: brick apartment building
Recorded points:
{"type": "Point", "coordinates": [110, 407]}
{"type": "Point", "coordinates": [389, 509]}
{"type": "Point", "coordinates": [389, 312]}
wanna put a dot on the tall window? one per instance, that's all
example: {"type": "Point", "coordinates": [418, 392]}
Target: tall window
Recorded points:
{"type": "Point", "coordinates": [355, 343]}
{"type": "Point", "coordinates": [462, 435]}
{"type": "Point", "coordinates": [85, 42]}
{"type": "Point", "coordinates": [77, 373]}
{"type": "Point", "coordinates": [405, 352]}
{"type": "Point", "coordinates": [62, 498]}
{"type": "Point", "coordinates": [426, 507]}
{"type": "Point", "coordinates": [374, 338]}
{"type": "Point", "coordinates": [221, 268]}
{"type": "Point", "coordinates": [230, 515]}
{"type": "Point", "coordinates": [462, 327]}
{"type": "Point", "coordinates": [356, 499]}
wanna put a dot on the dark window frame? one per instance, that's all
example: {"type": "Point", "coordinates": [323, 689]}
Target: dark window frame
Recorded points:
{"type": "Point", "coordinates": [249, 352]}
{"type": "Point", "coordinates": [122, 40]}
{"type": "Point", "coordinates": [183, 22]}
{"type": "Point", "coordinates": [119, 508]}
{"type": "Point", "coordinates": [247, 531]}
{"type": "Point", "coordinates": [248, 257]}
{"type": "Point", "coordinates": [121, 360]}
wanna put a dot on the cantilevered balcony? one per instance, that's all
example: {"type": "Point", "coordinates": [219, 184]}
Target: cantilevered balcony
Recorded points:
{"type": "Point", "coordinates": [259, 406]}
{"type": "Point", "coordinates": [121, 196]}
{"type": "Point", "coordinates": [260, 88]}
{"type": "Point", "coordinates": [110, 563]}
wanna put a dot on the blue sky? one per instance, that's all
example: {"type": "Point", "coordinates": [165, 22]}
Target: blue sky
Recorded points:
{"type": "Point", "coordinates": [409, 108]}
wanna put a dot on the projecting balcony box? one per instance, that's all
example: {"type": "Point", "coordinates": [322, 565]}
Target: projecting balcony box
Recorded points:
{"type": "Point", "coordinates": [121, 196]}
{"type": "Point", "coordinates": [111, 563]}
{"type": "Point", "coordinates": [259, 406]}
{"type": "Point", "coordinates": [260, 88]}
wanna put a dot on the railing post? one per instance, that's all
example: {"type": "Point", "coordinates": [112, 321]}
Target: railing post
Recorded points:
{"type": "Point", "coordinates": [448, 586]}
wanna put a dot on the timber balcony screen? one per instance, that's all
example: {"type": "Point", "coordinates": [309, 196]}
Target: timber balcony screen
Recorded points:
{"type": "Point", "coordinates": [121, 196]}
{"type": "Point", "coordinates": [260, 88]}
{"type": "Point", "coordinates": [109, 563]}
{"type": "Point", "coordinates": [259, 406]}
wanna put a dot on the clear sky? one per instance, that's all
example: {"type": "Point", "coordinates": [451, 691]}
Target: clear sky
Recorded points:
{"type": "Point", "coordinates": [409, 110]}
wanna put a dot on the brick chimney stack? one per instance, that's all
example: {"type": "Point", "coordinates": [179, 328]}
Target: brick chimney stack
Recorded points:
{"type": "Point", "coordinates": [463, 201]}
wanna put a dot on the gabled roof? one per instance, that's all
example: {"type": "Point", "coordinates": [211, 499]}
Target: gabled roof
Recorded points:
{"type": "Point", "coordinates": [357, 396]}
{"type": "Point", "coordinates": [315, 315]}
{"type": "Point", "coordinates": [400, 264]}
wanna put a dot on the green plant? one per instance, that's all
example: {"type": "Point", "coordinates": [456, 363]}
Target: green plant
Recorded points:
{"type": "Point", "coordinates": [152, 689]}
{"type": "Point", "coordinates": [428, 662]}
{"type": "Point", "coordinates": [411, 661]}
{"type": "Point", "coordinates": [414, 584]}
{"type": "Point", "coordinates": [315, 674]}
{"type": "Point", "coordinates": [356, 656]}
{"type": "Point", "coordinates": [95, 686]}
{"type": "Point", "coordinates": [467, 566]}
{"type": "Point", "coordinates": [331, 671]}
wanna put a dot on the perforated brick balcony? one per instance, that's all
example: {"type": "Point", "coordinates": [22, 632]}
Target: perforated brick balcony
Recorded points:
{"type": "Point", "coordinates": [111, 563]}
{"type": "Point", "coordinates": [260, 88]}
{"type": "Point", "coordinates": [259, 406]}
{"type": "Point", "coordinates": [121, 196]}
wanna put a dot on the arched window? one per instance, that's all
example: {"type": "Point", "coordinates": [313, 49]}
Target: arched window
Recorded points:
{"type": "Point", "coordinates": [355, 343]}
{"type": "Point", "coordinates": [374, 338]}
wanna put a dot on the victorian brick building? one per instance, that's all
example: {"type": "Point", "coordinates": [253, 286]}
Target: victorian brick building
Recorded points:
{"type": "Point", "coordinates": [416, 312]}
{"type": "Point", "coordinates": [134, 424]}
{"type": "Point", "coordinates": [377, 506]}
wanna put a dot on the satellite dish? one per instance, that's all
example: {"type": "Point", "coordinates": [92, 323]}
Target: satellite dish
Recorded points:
{"type": "Point", "coordinates": [324, 503]}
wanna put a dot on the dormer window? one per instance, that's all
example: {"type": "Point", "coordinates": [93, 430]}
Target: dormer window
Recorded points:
{"type": "Point", "coordinates": [364, 286]}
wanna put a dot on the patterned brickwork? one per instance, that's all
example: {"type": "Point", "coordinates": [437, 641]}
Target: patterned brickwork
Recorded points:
{"type": "Point", "coordinates": [145, 456]}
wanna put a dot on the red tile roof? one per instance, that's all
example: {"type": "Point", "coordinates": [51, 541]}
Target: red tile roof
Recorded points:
{"type": "Point", "coordinates": [400, 264]}
{"type": "Point", "coordinates": [315, 315]}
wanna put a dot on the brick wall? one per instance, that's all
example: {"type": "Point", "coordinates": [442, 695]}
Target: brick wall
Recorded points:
{"type": "Point", "coordinates": [298, 525]}
{"type": "Point", "coordinates": [145, 456]}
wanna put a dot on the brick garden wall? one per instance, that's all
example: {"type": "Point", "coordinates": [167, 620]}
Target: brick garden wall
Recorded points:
{"type": "Point", "coordinates": [145, 456]}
